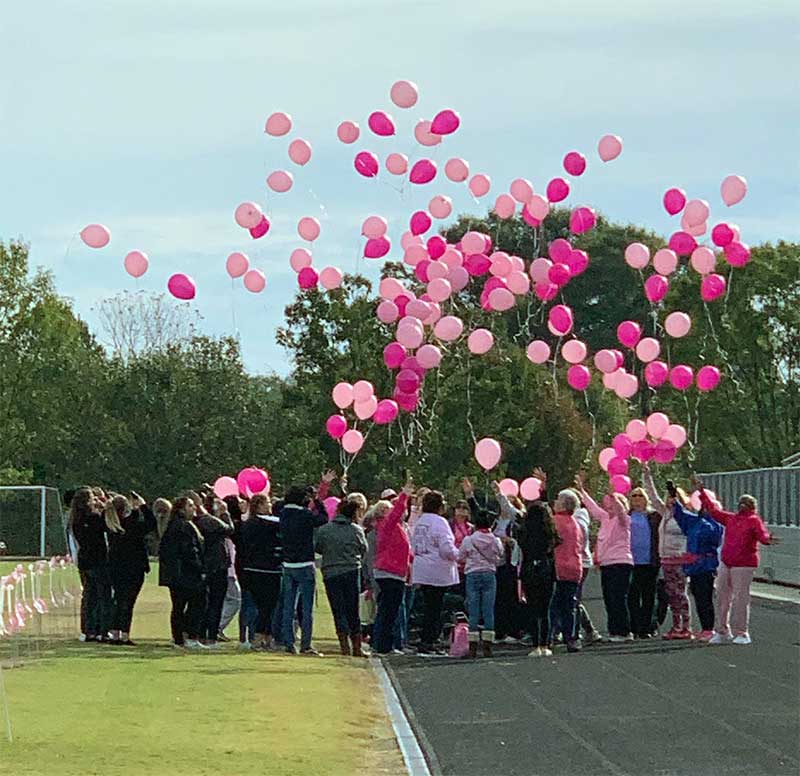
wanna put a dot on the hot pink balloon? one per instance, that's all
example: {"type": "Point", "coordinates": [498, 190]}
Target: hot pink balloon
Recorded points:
{"type": "Point", "coordinates": [560, 318]}
{"type": "Point", "coordinates": [521, 190]}
{"type": "Point", "coordinates": [336, 425]}
{"type": "Point", "coordinates": [656, 287]}
{"type": "Point", "coordinates": [376, 248]}
{"type": "Point", "coordinates": [656, 373]}
{"type": "Point", "coordinates": [226, 486]}
{"type": "Point", "coordinates": [300, 258]}
{"type": "Point", "coordinates": [436, 246]}
{"type": "Point", "coordinates": [300, 151]}
{"type": "Point", "coordinates": [386, 412]}
{"type": "Point", "coordinates": [606, 361]}
{"type": "Point", "coordinates": [480, 341]}
{"type": "Point", "coordinates": [629, 333]}
{"type": "Point", "coordinates": [330, 278]}
{"type": "Point", "coordinates": [136, 264]}
{"type": "Point", "coordinates": [678, 324]}
{"type": "Point", "coordinates": [621, 483]}
{"type": "Point", "coordinates": [408, 381]}
{"type": "Point", "coordinates": [480, 184]}
{"type": "Point", "coordinates": [381, 123]}
{"type": "Point", "coordinates": [423, 171]}
{"type": "Point", "coordinates": [557, 190]}
{"type": "Point", "coordinates": [457, 169]}
{"type": "Point", "coordinates": [559, 274]}
{"type": "Point", "coordinates": [623, 446]}
{"type": "Point", "coordinates": [665, 261]}
{"type": "Point", "coordinates": [348, 132]}
{"type": "Point", "coordinates": [260, 229]}
{"type": "Point", "coordinates": [280, 181]}
{"type": "Point", "coordinates": [546, 291]}
{"type": "Point", "coordinates": [733, 189]}
{"type": "Point", "coordinates": [423, 134]}
{"type": "Point", "coordinates": [664, 451]}
{"type": "Point", "coordinates": [393, 355]}
{"type": "Point", "coordinates": [366, 164]}
{"type": "Point", "coordinates": [255, 281]}
{"type": "Point", "coordinates": [307, 278]}
{"type": "Point", "coordinates": [440, 206]}
{"type": "Point", "coordinates": [682, 243]}
{"type": "Point", "coordinates": [420, 222]}
{"type": "Point", "coordinates": [609, 147]}
{"type": "Point", "coordinates": [618, 465]}
{"type": "Point", "coordinates": [445, 122]}
{"type": "Point", "coordinates": [579, 377]}
{"type": "Point", "coordinates": [352, 441]}
{"type": "Point", "coordinates": [448, 328]}
{"type": "Point", "coordinates": [181, 286]}
{"type": "Point", "coordinates": [96, 235]}
{"type": "Point", "coordinates": [404, 94]}
{"type": "Point", "coordinates": [308, 228]}
{"type": "Point", "coordinates": [575, 163]}
{"type": "Point", "coordinates": [248, 215]}
{"type": "Point", "coordinates": [374, 226]}
{"type": "Point", "coordinates": [577, 261]}
{"type": "Point", "coordinates": [637, 255]}
{"type": "Point", "coordinates": [582, 219]}
{"type": "Point", "coordinates": [737, 254]}
{"type": "Point", "coordinates": [644, 450]}
{"type": "Point", "coordinates": [712, 287]}
{"type": "Point", "coordinates": [636, 430]}
{"type": "Point", "coordinates": [648, 349]}
{"type": "Point", "coordinates": [397, 164]}
{"type": "Point", "coordinates": [278, 124]}
{"type": "Point", "coordinates": [505, 206]}
{"type": "Point", "coordinates": [681, 377]}
{"type": "Point", "coordinates": [708, 378]}
{"type": "Point", "coordinates": [722, 235]}
{"type": "Point", "coordinates": [674, 201]}
{"type": "Point", "coordinates": [488, 453]}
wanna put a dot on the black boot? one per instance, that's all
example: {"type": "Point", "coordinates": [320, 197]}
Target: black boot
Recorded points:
{"type": "Point", "coordinates": [344, 643]}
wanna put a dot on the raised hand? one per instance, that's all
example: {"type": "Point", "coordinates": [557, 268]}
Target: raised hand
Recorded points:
{"type": "Point", "coordinates": [467, 485]}
{"type": "Point", "coordinates": [580, 483]}
{"type": "Point", "coordinates": [408, 488]}
{"type": "Point", "coordinates": [329, 476]}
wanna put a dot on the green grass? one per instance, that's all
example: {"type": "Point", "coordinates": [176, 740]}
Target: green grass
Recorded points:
{"type": "Point", "coordinates": [92, 709]}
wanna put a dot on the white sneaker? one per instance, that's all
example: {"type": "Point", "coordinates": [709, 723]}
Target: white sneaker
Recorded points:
{"type": "Point", "coordinates": [212, 645]}
{"type": "Point", "coordinates": [743, 638]}
{"type": "Point", "coordinates": [194, 644]}
{"type": "Point", "coordinates": [547, 652]}
{"type": "Point", "coordinates": [720, 638]}
{"type": "Point", "coordinates": [535, 652]}
{"type": "Point", "coordinates": [617, 639]}
{"type": "Point", "coordinates": [629, 638]}
{"type": "Point", "coordinates": [245, 645]}
{"type": "Point", "coordinates": [510, 640]}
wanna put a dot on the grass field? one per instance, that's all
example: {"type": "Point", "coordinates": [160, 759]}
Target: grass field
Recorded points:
{"type": "Point", "coordinates": [96, 709]}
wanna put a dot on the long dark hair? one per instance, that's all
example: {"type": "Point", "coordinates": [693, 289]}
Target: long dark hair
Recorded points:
{"type": "Point", "coordinates": [540, 517]}
{"type": "Point", "coordinates": [79, 506]}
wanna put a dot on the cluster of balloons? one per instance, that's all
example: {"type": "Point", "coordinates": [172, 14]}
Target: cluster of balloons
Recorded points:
{"type": "Point", "coordinates": [248, 483]}
{"type": "Point", "coordinates": [530, 488]}
{"type": "Point", "coordinates": [365, 405]}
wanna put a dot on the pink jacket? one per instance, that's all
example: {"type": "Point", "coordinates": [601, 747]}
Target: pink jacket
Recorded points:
{"type": "Point", "coordinates": [743, 533]}
{"type": "Point", "coordinates": [481, 551]}
{"type": "Point", "coordinates": [392, 548]}
{"type": "Point", "coordinates": [434, 551]}
{"type": "Point", "coordinates": [614, 537]}
{"type": "Point", "coordinates": [569, 567]}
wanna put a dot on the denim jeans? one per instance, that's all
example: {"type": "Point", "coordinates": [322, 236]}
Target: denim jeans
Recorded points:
{"type": "Point", "coordinates": [298, 582]}
{"type": "Point", "coordinates": [390, 598]}
{"type": "Point", "coordinates": [400, 638]}
{"type": "Point", "coordinates": [563, 609]}
{"type": "Point", "coordinates": [248, 614]}
{"type": "Point", "coordinates": [481, 589]}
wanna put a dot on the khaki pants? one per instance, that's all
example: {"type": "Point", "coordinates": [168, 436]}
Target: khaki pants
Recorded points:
{"type": "Point", "coordinates": [733, 599]}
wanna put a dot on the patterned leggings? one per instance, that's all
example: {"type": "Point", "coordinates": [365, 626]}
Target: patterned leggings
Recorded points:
{"type": "Point", "coordinates": [675, 583]}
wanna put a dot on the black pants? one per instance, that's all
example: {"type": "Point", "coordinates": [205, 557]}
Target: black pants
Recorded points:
{"type": "Point", "coordinates": [342, 591]}
{"type": "Point", "coordinates": [506, 603]}
{"type": "Point", "coordinates": [97, 595]}
{"type": "Point", "coordinates": [432, 600]}
{"type": "Point", "coordinates": [642, 598]}
{"type": "Point", "coordinates": [538, 585]}
{"type": "Point", "coordinates": [583, 620]}
{"type": "Point", "coordinates": [216, 587]}
{"type": "Point", "coordinates": [188, 607]}
{"type": "Point", "coordinates": [126, 591]}
{"type": "Point", "coordinates": [265, 590]}
{"type": "Point", "coordinates": [82, 575]}
{"type": "Point", "coordinates": [390, 596]}
{"type": "Point", "coordinates": [702, 587]}
{"type": "Point", "coordinates": [615, 580]}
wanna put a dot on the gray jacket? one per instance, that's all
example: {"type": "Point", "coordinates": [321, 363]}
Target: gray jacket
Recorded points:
{"type": "Point", "coordinates": [342, 545]}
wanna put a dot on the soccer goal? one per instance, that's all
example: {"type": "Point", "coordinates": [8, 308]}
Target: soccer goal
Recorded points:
{"type": "Point", "coordinates": [32, 521]}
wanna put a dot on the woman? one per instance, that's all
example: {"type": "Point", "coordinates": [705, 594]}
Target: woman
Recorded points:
{"type": "Point", "coordinates": [568, 569]}
{"type": "Point", "coordinates": [259, 559]}
{"type": "Point", "coordinates": [645, 523]}
{"type": "Point", "coordinates": [462, 528]}
{"type": "Point", "coordinates": [128, 523]}
{"type": "Point", "coordinates": [342, 544]}
{"type": "Point", "coordinates": [180, 569]}
{"type": "Point", "coordinates": [89, 529]}
{"type": "Point", "coordinates": [613, 556]}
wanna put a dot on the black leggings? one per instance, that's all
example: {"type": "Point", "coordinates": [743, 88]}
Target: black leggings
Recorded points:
{"type": "Point", "coordinates": [702, 587]}
{"type": "Point", "coordinates": [97, 597]}
{"type": "Point", "coordinates": [615, 580]}
{"type": "Point", "coordinates": [342, 591]}
{"type": "Point", "coordinates": [265, 589]}
{"type": "Point", "coordinates": [432, 600]}
{"type": "Point", "coordinates": [216, 586]}
{"type": "Point", "coordinates": [186, 617]}
{"type": "Point", "coordinates": [538, 585]}
{"type": "Point", "coordinates": [506, 605]}
{"type": "Point", "coordinates": [642, 598]}
{"type": "Point", "coordinates": [126, 591]}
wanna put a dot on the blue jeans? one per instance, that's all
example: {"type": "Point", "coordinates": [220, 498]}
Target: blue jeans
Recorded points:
{"type": "Point", "coordinates": [563, 608]}
{"type": "Point", "coordinates": [400, 638]}
{"type": "Point", "coordinates": [481, 591]}
{"type": "Point", "coordinates": [298, 582]}
{"type": "Point", "coordinates": [247, 617]}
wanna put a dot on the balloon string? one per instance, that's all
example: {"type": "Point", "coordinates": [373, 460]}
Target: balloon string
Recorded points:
{"type": "Point", "coordinates": [233, 308]}
{"type": "Point", "coordinates": [594, 426]}
{"type": "Point", "coordinates": [469, 402]}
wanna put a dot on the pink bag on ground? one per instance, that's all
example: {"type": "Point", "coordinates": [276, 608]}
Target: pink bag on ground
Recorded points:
{"type": "Point", "coordinates": [459, 640]}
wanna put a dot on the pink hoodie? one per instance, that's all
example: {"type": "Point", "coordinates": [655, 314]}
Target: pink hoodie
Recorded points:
{"type": "Point", "coordinates": [434, 551]}
{"type": "Point", "coordinates": [481, 551]}
{"type": "Point", "coordinates": [614, 537]}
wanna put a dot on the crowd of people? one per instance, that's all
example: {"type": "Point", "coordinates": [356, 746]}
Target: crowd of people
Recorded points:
{"type": "Point", "coordinates": [403, 572]}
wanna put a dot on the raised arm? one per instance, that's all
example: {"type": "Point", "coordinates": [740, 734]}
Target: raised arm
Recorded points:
{"type": "Point", "coordinates": [683, 517]}
{"type": "Point", "coordinates": [652, 491]}
{"type": "Point", "coordinates": [720, 515]}
{"type": "Point", "coordinates": [398, 509]}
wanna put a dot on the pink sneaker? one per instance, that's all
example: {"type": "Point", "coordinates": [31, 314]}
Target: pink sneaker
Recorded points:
{"type": "Point", "coordinates": [672, 633]}
{"type": "Point", "coordinates": [704, 635]}
{"type": "Point", "coordinates": [684, 635]}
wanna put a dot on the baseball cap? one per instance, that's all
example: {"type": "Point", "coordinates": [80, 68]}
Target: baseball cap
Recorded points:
{"type": "Point", "coordinates": [389, 494]}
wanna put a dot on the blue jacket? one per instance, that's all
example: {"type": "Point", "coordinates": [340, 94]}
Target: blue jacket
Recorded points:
{"type": "Point", "coordinates": [703, 538]}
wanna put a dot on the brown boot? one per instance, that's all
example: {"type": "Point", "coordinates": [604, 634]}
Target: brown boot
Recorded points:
{"type": "Point", "coordinates": [358, 650]}
{"type": "Point", "coordinates": [344, 644]}
{"type": "Point", "coordinates": [487, 648]}
{"type": "Point", "coordinates": [473, 649]}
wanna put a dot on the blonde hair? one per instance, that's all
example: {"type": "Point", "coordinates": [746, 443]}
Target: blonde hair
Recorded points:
{"type": "Point", "coordinates": [359, 499]}
{"type": "Point", "coordinates": [118, 506]}
{"type": "Point", "coordinates": [643, 494]}
{"type": "Point", "coordinates": [259, 498]}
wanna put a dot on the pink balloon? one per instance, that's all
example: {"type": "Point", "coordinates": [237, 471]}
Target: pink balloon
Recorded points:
{"type": "Point", "coordinates": [694, 231]}
{"type": "Point", "coordinates": [665, 261]}
{"type": "Point", "coordinates": [559, 274]}
{"type": "Point", "coordinates": [381, 123]}
{"type": "Point", "coordinates": [528, 218]}
{"type": "Point", "coordinates": [440, 206]}
{"type": "Point", "coordinates": [255, 281]}
{"type": "Point", "coordinates": [573, 351]}
{"type": "Point", "coordinates": [404, 94]}
{"type": "Point", "coordinates": [408, 381]}
{"type": "Point", "coordinates": [437, 269]}
{"type": "Point", "coordinates": [606, 361]}
{"type": "Point", "coordinates": [459, 278]}
{"type": "Point", "coordinates": [621, 483]}
{"type": "Point", "coordinates": [363, 390]}
{"type": "Point", "coordinates": [675, 434]}
{"type": "Point", "coordinates": [501, 264]}
{"type": "Point", "coordinates": [655, 288]}
{"type": "Point", "coordinates": [609, 147]}
{"type": "Point", "coordinates": [423, 134]}
{"type": "Point", "coordinates": [579, 377]}
{"type": "Point", "coordinates": [636, 430]}
{"type": "Point", "coordinates": [577, 262]}
{"type": "Point", "coordinates": [648, 349]}
{"type": "Point", "coordinates": [421, 270]}
{"type": "Point", "coordinates": [540, 270]}
{"type": "Point", "coordinates": [664, 451]}
{"type": "Point", "coordinates": [247, 215]}
{"type": "Point", "coordinates": [488, 453]}
{"type": "Point", "coordinates": [420, 222]}
{"type": "Point", "coordinates": [657, 425]}
{"type": "Point", "coordinates": [678, 324]}
{"type": "Point", "coordinates": [136, 263]}
{"type": "Point", "coordinates": [539, 207]}
{"type": "Point", "coordinates": [682, 243]}
{"type": "Point", "coordinates": [582, 219]}
{"type": "Point", "coordinates": [352, 441]}
{"type": "Point", "coordinates": [397, 164]}
{"type": "Point", "coordinates": [393, 355]}
{"type": "Point", "coordinates": [390, 288]}
{"type": "Point", "coordinates": [531, 488]}
{"type": "Point", "coordinates": [712, 287]}
{"type": "Point", "coordinates": [376, 248]}
{"type": "Point", "coordinates": [342, 395]}
{"type": "Point", "coordinates": [629, 333]}
{"type": "Point", "coordinates": [505, 206]}
{"type": "Point", "coordinates": [300, 258]}
{"type": "Point", "coordinates": [95, 235]}
{"type": "Point", "coordinates": [618, 465]}
{"type": "Point", "coordinates": [546, 291]}
{"type": "Point", "coordinates": [518, 282]}
{"type": "Point", "coordinates": [336, 425]}
{"type": "Point", "coordinates": [637, 255]}
{"type": "Point", "coordinates": [737, 254]}
{"type": "Point", "coordinates": [627, 386]}
{"type": "Point", "coordinates": [521, 190]}
{"type": "Point", "coordinates": [472, 242]}
{"type": "Point", "coordinates": [374, 226]}
{"type": "Point", "coordinates": [703, 260]}
{"type": "Point", "coordinates": [423, 171]}
{"type": "Point", "coordinates": [480, 341]}
{"type": "Point", "coordinates": [681, 377]}
{"type": "Point", "coordinates": [708, 378]}
{"type": "Point", "coordinates": [307, 278]}
{"type": "Point", "coordinates": [260, 229]}
{"type": "Point", "coordinates": [457, 170]}
{"type": "Point", "coordinates": [674, 201]}
{"type": "Point", "coordinates": [300, 151]}
{"type": "Point", "coordinates": [412, 363]}
{"type": "Point", "coordinates": [439, 289]}
{"type": "Point", "coordinates": [181, 286]}
{"type": "Point", "coordinates": [480, 184]}
{"type": "Point", "coordinates": [656, 373]}
{"type": "Point", "coordinates": [365, 409]}
{"type": "Point", "coordinates": [722, 235]}
{"type": "Point", "coordinates": [560, 318]}
{"type": "Point", "coordinates": [605, 456]}
{"type": "Point", "coordinates": [409, 337]}
{"type": "Point", "coordinates": [366, 164]}
{"type": "Point", "coordinates": [445, 122]}
{"type": "Point", "coordinates": [643, 450]}
{"type": "Point", "coordinates": [429, 356]}
{"type": "Point", "coordinates": [623, 445]}
{"type": "Point", "coordinates": [575, 163]}
{"type": "Point", "coordinates": [733, 189]}
{"type": "Point", "coordinates": [278, 124]}
{"type": "Point", "coordinates": [436, 246]}
{"type": "Point", "coordinates": [280, 181]}
{"type": "Point", "coordinates": [417, 308]}
{"type": "Point", "coordinates": [557, 190]}
{"type": "Point", "coordinates": [226, 486]}
{"type": "Point", "coordinates": [696, 212]}
{"type": "Point", "coordinates": [386, 411]}
{"type": "Point", "coordinates": [509, 487]}
{"type": "Point", "coordinates": [501, 299]}
{"type": "Point", "coordinates": [448, 328]}
{"type": "Point", "coordinates": [308, 228]}
{"type": "Point", "coordinates": [330, 278]}
{"type": "Point", "coordinates": [348, 132]}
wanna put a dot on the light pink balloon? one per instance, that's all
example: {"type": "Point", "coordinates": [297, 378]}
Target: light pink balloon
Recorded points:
{"type": "Point", "coordinates": [452, 257]}
{"type": "Point", "coordinates": [362, 390]}
{"type": "Point", "coordinates": [342, 395]}
{"type": "Point", "coordinates": [521, 190]}
{"type": "Point", "coordinates": [488, 453]}
{"type": "Point", "coordinates": [181, 286]}
{"type": "Point", "coordinates": [381, 123]}
{"type": "Point", "coordinates": [404, 94]}
{"type": "Point", "coordinates": [609, 147]}
{"type": "Point", "coordinates": [480, 184]}
{"type": "Point", "coordinates": [573, 351]}
{"type": "Point", "coordinates": [509, 487]}
{"type": "Point", "coordinates": [440, 206]}
{"type": "Point", "coordinates": [518, 282]}
{"type": "Point", "coordinates": [472, 242]}
{"type": "Point", "coordinates": [300, 151]}
{"type": "Point", "coordinates": [390, 288]}
{"type": "Point", "coordinates": [501, 299]}
{"type": "Point", "coordinates": [348, 132]}
{"type": "Point", "coordinates": [703, 260]}
{"type": "Point", "coordinates": [308, 228]}
{"type": "Point", "coordinates": [226, 486]}
{"type": "Point", "coordinates": [397, 164]}
{"type": "Point", "coordinates": [448, 328]}
{"type": "Point", "coordinates": [605, 361]}
{"type": "Point", "coordinates": [278, 124]}
{"type": "Point", "coordinates": [457, 169]}
{"type": "Point", "coordinates": [696, 230]}
{"type": "Point", "coordinates": [678, 324]}
{"type": "Point", "coordinates": [501, 264]}
{"type": "Point", "coordinates": [637, 255]}
{"type": "Point", "coordinates": [408, 239]}
{"type": "Point", "coordinates": [409, 337]}
{"type": "Point", "coordinates": [675, 434]}
{"type": "Point", "coordinates": [95, 235]}
{"type": "Point", "coordinates": [579, 377]}
{"type": "Point", "coordinates": [540, 270]}
{"type": "Point", "coordinates": [429, 356]}
{"type": "Point", "coordinates": [387, 312]}
{"type": "Point", "coordinates": [414, 254]}
{"type": "Point", "coordinates": [136, 264]}
{"type": "Point", "coordinates": [648, 350]}
{"type": "Point", "coordinates": [696, 212]}
{"type": "Point", "coordinates": [423, 134]}
{"type": "Point", "coordinates": [438, 269]}
{"type": "Point", "coordinates": [459, 278]}
{"type": "Point", "coordinates": [530, 488]}
{"type": "Point", "coordinates": [439, 289]}
{"type": "Point", "coordinates": [352, 441]}
{"type": "Point", "coordinates": [255, 281]}
{"type": "Point", "coordinates": [538, 207]}
{"type": "Point", "coordinates": [627, 386]}
{"type": "Point", "coordinates": [636, 430]}
{"type": "Point", "coordinates": [538, 351]}
{"type": "Point", "coordinates": [330, 278]}
{"type": "Point", "coordinates": [248, 215]}
{"type": "Point", "coordinates": [606, 455]}
{"type": "Point", "coordinates": [280, 181]}
{"type": "Point", "coordinates": [733, 189]}
{"type": "Point", "coordinates": [657, 424]}
{"type": "Point", "coordinates": [300, 258]}
{"type": "Point", "coordinates": [480, 341]}
{"type": "Point", "coordinates": [505, 206]}
{"type": "Point", "coordinates": [366, 409]}
{"type": "Point", "coordinates": [374, 226]}
{"type": "Point", "coordinates": [665, 261]}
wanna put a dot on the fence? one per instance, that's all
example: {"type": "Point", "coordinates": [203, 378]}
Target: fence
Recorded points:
{"type": "Point", "coordinates": [32, 521]}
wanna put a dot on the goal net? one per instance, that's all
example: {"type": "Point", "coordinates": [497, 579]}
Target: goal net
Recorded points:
{"type": "Point", "coordinates": [32, 522]}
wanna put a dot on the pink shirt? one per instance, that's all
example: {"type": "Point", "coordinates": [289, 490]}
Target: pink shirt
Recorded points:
{"type": "Point", "coordinates": [743, 533]}
{"type": "Point", "coordinates": [569, 567]}
{"type": "Point", "coordinates": [435, 553]}
{"type": "Point", "coordinates": [481, 551]}
{"type": "Point", "coordinates": [614, 537]}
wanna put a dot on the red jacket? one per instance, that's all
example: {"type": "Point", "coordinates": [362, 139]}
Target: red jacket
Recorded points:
{"type": "Point", "coordinates": [393, 550]}
{"type": "Point", "coordinates": [568, 554]}
{"type": "Point", "coordinates": [743, 532]}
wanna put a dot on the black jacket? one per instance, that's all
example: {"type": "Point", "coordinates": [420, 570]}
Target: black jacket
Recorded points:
{"type": "Point", "coordinates": [259, 545]}
{"type": "Point", "coordinates": [180, 555]}
{"type": "Point", "coordinates": [214, 530]}
{"type": "Point", "coordinates": [90, 533]}
{"type": "Point", "coordinates": [297, 532]}
{"type": "Point", "coordinates": [127, 552]}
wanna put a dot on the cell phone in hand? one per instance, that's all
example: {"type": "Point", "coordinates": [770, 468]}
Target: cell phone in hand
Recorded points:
{"type": "Point", "coordinates": [671, 489]}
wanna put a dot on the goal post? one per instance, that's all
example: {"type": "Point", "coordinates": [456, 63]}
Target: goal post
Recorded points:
{"type": "Point", "coordinates": [32, 521]}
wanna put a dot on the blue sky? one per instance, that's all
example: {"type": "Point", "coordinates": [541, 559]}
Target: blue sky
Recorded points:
{"type": "Point", "coordinates": [148, 117]}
